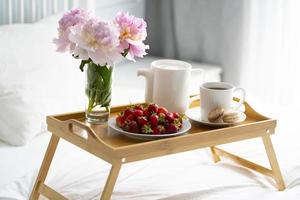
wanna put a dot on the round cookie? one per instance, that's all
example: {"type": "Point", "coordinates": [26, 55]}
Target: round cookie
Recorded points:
{"type": "Point", "coordinates": [231, 116]}
{"type": "Point", "coordinates": [216, 115]}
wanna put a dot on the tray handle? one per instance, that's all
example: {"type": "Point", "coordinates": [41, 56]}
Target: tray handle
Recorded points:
{"type": "Point", "coordinates": [71, 123]}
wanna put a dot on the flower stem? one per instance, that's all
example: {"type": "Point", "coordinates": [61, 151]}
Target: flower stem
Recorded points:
{"type": "Point", "coordinates": [90, 105]}
{"type": "Point", "coordinates": [98, 86]}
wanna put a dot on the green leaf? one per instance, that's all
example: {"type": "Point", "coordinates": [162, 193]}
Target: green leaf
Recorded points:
{"type": "Point", "coordinates": [106, 73]}
{"type": "Point", "coordinates": [83, 62]}
{"type": "Point", "coordinates": [124, 54]}
{"type": "Point", "coordinates": [76, 57]}
{"type": "Point", "coordinates": [98, 86]}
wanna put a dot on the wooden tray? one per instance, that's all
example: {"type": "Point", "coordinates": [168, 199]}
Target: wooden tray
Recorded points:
{"type": "Point", "coordinates": [118, 149]}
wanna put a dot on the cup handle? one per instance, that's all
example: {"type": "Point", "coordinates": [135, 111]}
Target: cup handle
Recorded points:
{"type": "Point", "coordinates": [242, 99]}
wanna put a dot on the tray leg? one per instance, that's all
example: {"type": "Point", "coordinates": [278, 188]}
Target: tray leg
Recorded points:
{"type": "Point", "coordinates": [214, 154]}
{"type": "Point", "coordinates": [45, 167]}
{"type": "Point", "coordinates": [273, 162]}
{"type": "Point", "coordinates": [111, 181]}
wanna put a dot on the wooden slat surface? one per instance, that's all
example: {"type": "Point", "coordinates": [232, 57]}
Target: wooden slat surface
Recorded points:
{"type": "Point", "coordinates": [199, 136]}
{"type": "Point", "coordinates": [50, 193]}
{"type": "Point", "coordinates": [244, 162]}
{"type": "Point", "coordinates": [119, 141]}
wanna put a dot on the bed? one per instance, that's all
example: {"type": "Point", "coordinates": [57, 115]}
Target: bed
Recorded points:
{"type": "Point", "coordinates": [185, 176]}
{"type": "Point", "coordinates": [191, 175]}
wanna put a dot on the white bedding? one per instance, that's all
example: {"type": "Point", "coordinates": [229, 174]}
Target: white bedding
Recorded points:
{"type": "Point", "coordinates": [191, 175]}
{"type": "Point", "coordinates": [186, 176]}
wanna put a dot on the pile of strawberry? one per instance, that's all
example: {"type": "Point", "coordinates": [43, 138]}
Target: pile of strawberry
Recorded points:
{"type": "Point", "coordinates": [150, 119]}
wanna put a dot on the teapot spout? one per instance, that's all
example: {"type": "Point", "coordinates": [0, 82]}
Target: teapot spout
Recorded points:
{"type": "Point", "coordinates": [147, 73]}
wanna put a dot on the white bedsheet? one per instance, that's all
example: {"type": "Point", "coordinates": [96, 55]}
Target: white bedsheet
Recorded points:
{"type": "Point", "coordinates": [185, 176]}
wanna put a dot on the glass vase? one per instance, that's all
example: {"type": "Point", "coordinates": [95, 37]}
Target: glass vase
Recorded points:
{"type": "Point", "coordinates": [98, 92]}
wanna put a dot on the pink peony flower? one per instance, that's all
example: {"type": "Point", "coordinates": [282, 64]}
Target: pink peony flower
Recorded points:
{"type": "Point", "coordinates": [132, 34]}
{"type": "Point", "coordinates": [104, 43]}
{"type": "Point", "coordinates": [97, 40]}
{"type": "Point", "coordinates": [70, 19]}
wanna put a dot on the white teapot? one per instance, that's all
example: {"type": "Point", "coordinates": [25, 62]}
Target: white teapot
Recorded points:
{"type": "Point", "coordinates": [168, 83]}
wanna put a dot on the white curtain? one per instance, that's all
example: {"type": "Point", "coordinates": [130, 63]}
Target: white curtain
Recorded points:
{"type": "Point", "coordinates": [270, 69]}
{"type": "Point", "coordinates": [256, 42]}
{"type": "Point", "coordinates": [209, 31]}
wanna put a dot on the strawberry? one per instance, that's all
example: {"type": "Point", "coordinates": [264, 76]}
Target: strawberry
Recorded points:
{"type": "Point", "coordinates": [131, 126]}
{"type": "Point", "coordinates": [171, 128]}
{"type": "Point", "coordinates": [120, 121]}
{"type": "Point", "coordinates": [180, 119]}
{"type": "Point", "coordinates": [138, 107]}
{"type": "Point", "coordinates": [128, 112]}
{"type": "Point", "coordinates": [161, 129]}
{"type": "Point", "coordinates": [176, 115]}
{"type": "Point", "coordinates": [137, 113]}
{"type": "Point", "coordinates": [178, 123]}
{"type": "Point", "coordinates": [162, 110]}
{"type": "Point", "coordinates": [149, 120]}
{"type": "Point", "coordinates": [153, 120]}
{"type": "Point", "coordinates": [170, 117]}
{"type": "Point", "coordinates": [142, 121]}
{"type": "Point", "coordinates": [155, 131]}
{"type": "Point", "coordinates": [129, 117]}
{"type": "Point", "coordinates": [161, 118]}
{"type": "Point", "coordinates": [146, 113]}
{"type": "Point", "coordinates": [153, 108]}
{"type": "Point", "coordinates": [147, 129]}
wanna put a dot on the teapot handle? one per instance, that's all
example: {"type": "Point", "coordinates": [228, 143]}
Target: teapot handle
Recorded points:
{"type": "Point", "coordinates": [200, 74]}
{"type": "Point", "coordinates": [197, 71]}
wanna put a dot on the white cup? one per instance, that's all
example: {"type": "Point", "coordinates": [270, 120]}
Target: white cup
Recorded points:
{"type": "Point", "coordinates": [218, 94]}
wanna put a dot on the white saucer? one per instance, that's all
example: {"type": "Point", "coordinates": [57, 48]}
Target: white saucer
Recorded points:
{"type": "Point", "coordinates": [194, 114]}
{"type": "Point", "coordinates": [186, 125]}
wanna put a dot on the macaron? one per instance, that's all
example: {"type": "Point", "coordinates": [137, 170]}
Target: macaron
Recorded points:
{"type": "Point", "coordinates": [231, 116]}
{"type": "Point", "coordinates": [216, 115]}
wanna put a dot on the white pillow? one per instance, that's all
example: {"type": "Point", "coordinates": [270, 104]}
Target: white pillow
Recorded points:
{"type": "Point", "coordinates": [35, 80]}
